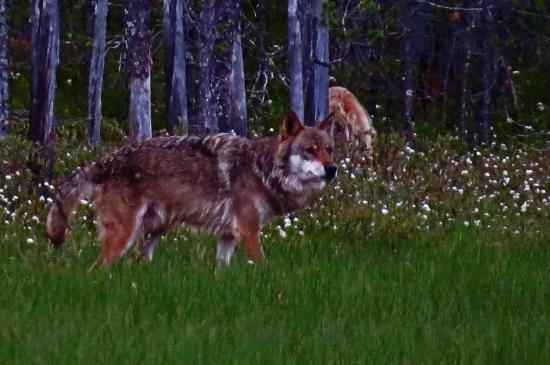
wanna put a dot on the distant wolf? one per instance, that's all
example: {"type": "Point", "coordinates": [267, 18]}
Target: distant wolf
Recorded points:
{"type": "Point", "coordinates": [222, 185]}
{"type": "Point", "coordinates": [350, 121]}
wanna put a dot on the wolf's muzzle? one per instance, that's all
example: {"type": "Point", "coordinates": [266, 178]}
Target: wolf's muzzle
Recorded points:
{"type": "Point", "coordinates": [330, 172]}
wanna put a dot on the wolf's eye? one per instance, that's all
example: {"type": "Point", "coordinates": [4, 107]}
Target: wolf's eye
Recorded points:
{"type": "Point", "coordinates": [329, 149]}
{"type": "Point", "coordinates": [339, 128]}
{"type": "Point", "coordinates": [310, 150]}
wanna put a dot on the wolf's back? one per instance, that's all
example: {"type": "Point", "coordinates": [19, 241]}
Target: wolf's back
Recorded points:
{"type": "Point", "coordinates": [78, 186]}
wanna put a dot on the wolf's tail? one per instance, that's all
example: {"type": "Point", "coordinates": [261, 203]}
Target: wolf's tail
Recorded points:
{"type": "Point", "coordinates": [77, 187]}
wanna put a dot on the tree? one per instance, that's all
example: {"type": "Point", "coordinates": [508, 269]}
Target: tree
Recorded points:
{"type": "Point", "coordinates": [412, 44]}
{"type": "Point", "coordinates": [175, 64]}
{"type": "Point", "coordinates": [316, 103]}
{"type": "Point", "coordinates": [207, 34]}
{"type": "Point", "coordinates": [44, 61]}
{"type": "Point", "coordinates": [464, 72]}
{"type": "Point", "coordinates": [295, 60]}
{"type": "Point", "coordinates": [97, 64]}
{"type": "Point", "coordinates": [3, 69]}
{"type": "Point", "coordinates": [484, 98]}
{"type": "Point", "coordinates": [232, 98]}
{"type": "Point", "coordinates": [138, 64]}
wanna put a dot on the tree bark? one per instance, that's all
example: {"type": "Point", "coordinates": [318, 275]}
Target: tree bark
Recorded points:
{"type": "Point", "coordinates": [483, 125]}
{"type": "Point", "coordinates": [138, 64]}
{"type": "Point", "coordinates": [295, 60]}
{"type": "Point", "coordinates": [175, 64]}
{"type": "Point", "coordinates": [4, 74]}
{"type": "Point", "coordinates": [207, 33]}
{"type": "Point", "coordinates": [97, 64]}
{"type": "Point", "coordinates": [236, 80]}
{"type": "Point", "coordinates": [44, 61]}
{"type": "Point", "coordinates": [464, 73]}
{"type": "Point", "coordinates": [316, 107]}
{"type": "Point", "coordinates": [408, 61]}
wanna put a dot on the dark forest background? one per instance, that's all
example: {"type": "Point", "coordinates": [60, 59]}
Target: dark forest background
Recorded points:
{"type": "Point", "coordinates": [475, 68]}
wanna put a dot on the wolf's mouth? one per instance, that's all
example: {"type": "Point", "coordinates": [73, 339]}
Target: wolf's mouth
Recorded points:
{"type": "Point", "coordinates": [311, 177]}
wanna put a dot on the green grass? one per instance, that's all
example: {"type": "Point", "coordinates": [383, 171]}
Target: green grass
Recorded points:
{"type": "Point", "coordinates": [321, 298]}
{"type": "Point", "coordinates": [433, 255]}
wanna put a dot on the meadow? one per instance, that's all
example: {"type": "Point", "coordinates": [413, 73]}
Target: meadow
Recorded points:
{"type": "Point", "coordinates": [434, 254]}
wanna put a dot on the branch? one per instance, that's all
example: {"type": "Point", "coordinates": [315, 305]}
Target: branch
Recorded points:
{"type": "Point", "coordinates": [454, 8]}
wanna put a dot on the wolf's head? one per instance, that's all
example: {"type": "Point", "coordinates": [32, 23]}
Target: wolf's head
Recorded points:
{"type": "Point", "coordinates": [307, 152]}
{"type": "Point", "coordinates": [338, 126]}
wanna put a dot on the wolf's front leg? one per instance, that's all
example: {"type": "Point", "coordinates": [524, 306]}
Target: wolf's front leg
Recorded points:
{"type": "Point", "coordinates": [248, 228]}
{"type": "Point", "coordinates": [226, 248]}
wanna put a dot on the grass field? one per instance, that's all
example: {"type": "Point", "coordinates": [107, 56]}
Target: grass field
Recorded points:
{"type": "Point", "coordinates": [430, 257]}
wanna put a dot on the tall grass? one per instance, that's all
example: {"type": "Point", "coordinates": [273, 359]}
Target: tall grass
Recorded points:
{"type": "Point", "coordinates": [431, 256]}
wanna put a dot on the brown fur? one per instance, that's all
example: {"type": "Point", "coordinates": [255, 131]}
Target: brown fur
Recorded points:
{"type": "Point", "coordinates": [351, 122]}
{"type": "Point", "coordinates": [223, 185]}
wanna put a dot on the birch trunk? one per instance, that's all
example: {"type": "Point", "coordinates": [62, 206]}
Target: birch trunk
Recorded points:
{"type": "Point", "coordinates": [175, 64]}
{"type": "Point", "coordinates": [44, 62]}
{"type": "Point", "coordinates": [97, 64]}
{"type": "Point", "coordinates": [138, 63]}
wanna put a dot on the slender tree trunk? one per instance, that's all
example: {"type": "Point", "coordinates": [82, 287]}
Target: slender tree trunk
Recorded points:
{"type": "Point", "coordinates": [464, 74]}
{"type": "Point", "coordinates": [138, 63]}
{"type": "Point", "coordinates": [207, 32]}
{"type": "Point", "coordinates": [484, 129]}
{"type": "Point", "coordinates": [192, 71]}
{"type": "Point", "coordinates": [464, 94]}
{"type": "Point", "coordinates": [230, 91]}
{"type": "Point", "coordinates": [236, 77]}
{"type": "Point", "coordinates": [316, 107]}
{"type": "Point", "coordinates": [97, 64]}
{"type": "Point", "coordinates": [174, 46]}
{"type": "Point", "coordinates": [447, 71]}
{"type": "Point", "coordinates": [3, 69]}
{"type": "Point", "coordinates": [44, 61]}
{"type": "Point", "coordinates": [408, 61]}
{"type": "Point", "coordinates": [295, 60]}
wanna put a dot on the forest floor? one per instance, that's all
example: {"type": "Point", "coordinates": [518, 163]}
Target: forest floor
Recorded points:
{"type": "Point", "coordinates": [434, 255]}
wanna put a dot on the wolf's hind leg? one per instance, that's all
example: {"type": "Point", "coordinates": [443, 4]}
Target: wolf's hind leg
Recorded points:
{"type": "Point", "coordinates": [148, 248]}
{"type": "Point", "coordinates": [226, 247]}
{"type": "Point", "coordinates": [119, 224]}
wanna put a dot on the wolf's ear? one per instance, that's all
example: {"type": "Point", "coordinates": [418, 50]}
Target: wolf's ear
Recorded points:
{"type": "Point", "coordinates": [291, 125]}
{"type": "Point", "coordinates": [325, 124]}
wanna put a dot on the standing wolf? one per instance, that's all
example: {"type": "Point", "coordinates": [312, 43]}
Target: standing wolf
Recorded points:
{"type": "Point", "coordinates": [223, 185]}
{"type": "Point", "coordinates": [350, 121]}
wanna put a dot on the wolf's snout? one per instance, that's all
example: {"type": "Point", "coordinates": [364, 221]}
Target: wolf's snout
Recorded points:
{"type": "Point", "coordinates": [330, 172]}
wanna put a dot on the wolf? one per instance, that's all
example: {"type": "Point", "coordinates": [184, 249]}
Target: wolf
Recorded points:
{"type": "Point", "coordinates": [222, 185]}
{"type": "Point", "coordinates": [350, 121]}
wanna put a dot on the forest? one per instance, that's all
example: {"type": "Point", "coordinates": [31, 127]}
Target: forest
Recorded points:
{"type": "Point", "coordinates": [430, 246]}
{"type": "Point", "coordinates": [470, 67]}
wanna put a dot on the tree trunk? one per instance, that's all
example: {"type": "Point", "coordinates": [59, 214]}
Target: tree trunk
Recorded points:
{"type": "Point", "coordinates": [207, 32]}
{"type": "Point", "coordinates": [138, 64]}
{"type": "Point", "coordinates": [95, 84]}
{"type": "Point", "coordinates": [174, 46]}
{"type": "Point", "coordinates": [44, 61]}
{"type": "Point", "coordinates": [408, 61]}
{"type": "Point", "coordinates": [316, 107]}
{"type": "Point", "coordinates": [295, 60]}
{"type": "Point", "coordinates": [484, 130]}
{"type": "Point", "coordinates": [192, 71]}
{"type": "Point", "coordinates": [464, 73]}
{"type": "Point", "coordinates": [236, 85]}
{"type": "Point", "coordinates": [4, 75]}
